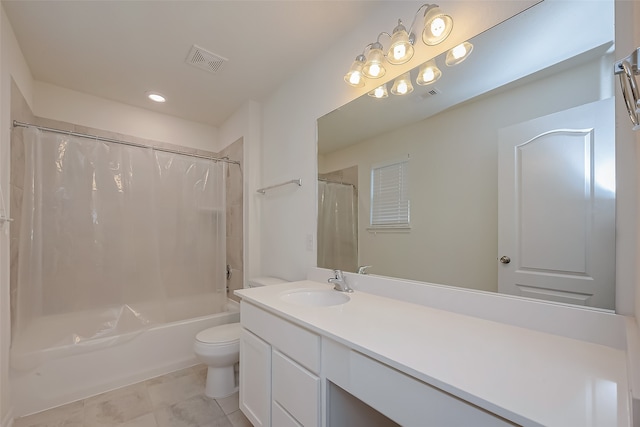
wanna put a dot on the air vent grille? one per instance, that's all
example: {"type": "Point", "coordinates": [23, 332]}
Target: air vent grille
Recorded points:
{"type": "Point", "coordinates": [431, 92]}
{"type": "Point", "coordinates": [205, 60]}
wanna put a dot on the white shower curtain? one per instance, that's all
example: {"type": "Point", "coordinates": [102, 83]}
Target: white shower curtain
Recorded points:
{"type": "Point", "coordinates": [337, 226]}
{"type": "Point", "coordinates": [111, 236]}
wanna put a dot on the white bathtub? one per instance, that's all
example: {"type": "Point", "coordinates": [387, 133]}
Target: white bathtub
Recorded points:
{"type": "Point", "coordinates": [157, 351]}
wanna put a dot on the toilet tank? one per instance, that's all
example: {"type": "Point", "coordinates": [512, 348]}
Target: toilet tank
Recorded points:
{"type": "Point", "coordinates": [264, 281]}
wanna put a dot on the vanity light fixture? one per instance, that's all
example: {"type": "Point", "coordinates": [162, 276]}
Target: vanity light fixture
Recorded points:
{"type": "Point", "coordinates": [401, 49]}
{"type": "Point", "coordinates": [156, 97]}
{"type": "Point", "coordinates": [354, 77]}
{"type": "Point", "coordinates": [436, 28]}
{"type": "Point", "coordinates": [379, 92]}
{"type": "Point", "coordinates": [374, 67]}
{"type": "Point", "coordinates": [458, 54]}
{"type": "Point", "coordinates": [402, 85]}
{"type": "Point", "coordinates": [428, 73]}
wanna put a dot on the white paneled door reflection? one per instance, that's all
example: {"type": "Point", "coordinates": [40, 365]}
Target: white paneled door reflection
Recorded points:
{"type": "Point", "coordinates": [556, 219]}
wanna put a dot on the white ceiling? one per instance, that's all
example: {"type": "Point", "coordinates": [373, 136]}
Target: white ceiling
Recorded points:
{"type": "Point", "coordinates": [120, 49]}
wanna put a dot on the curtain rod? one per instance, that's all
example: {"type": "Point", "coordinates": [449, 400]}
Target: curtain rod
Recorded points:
{"type": "Point", "coordinates": [117, 141]}
{"type": "Point", "coordinates": [336, 182]}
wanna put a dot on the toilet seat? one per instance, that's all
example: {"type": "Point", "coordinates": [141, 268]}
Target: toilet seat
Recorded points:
{"type": "Point", "coordinates": [220, 335]}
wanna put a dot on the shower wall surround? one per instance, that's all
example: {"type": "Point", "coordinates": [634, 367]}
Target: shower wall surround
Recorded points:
{"type": "Point", "coordinates": [235, 208]}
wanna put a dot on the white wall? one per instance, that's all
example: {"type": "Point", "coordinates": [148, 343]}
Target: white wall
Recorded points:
{"type": "Point", "coordinates": [12, 64]}
{"type": "Point", "coordinates": [289, 125]}
{"type": "Point", "coordinates": [628, 38]}
{"type": "Point", "coordinates": [627, 177]}
{"type": "Point", "coordinates": [634, 16]}
{"type": "Point", "coordinates": [453, 172]}
{"type": "Point", "coordinates": [57, 103]}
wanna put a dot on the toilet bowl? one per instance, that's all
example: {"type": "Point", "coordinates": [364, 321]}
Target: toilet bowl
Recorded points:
{"type": "Point", "coordinates": [219, 348]}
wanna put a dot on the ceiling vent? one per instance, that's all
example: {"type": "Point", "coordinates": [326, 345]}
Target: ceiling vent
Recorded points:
{"type": "Point", "coordinates": [205, 60]}
{"type": "Point", "coordinates": [431, 92]}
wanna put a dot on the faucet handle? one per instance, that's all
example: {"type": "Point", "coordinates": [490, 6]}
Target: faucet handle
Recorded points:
{"type": "Point", "coordinates": [337, 274]}
{"type": "Point", "coordinates": [363, 269]}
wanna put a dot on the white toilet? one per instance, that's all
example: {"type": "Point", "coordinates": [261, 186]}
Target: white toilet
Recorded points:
{"type": "Point", "coordinates": [219, 348]}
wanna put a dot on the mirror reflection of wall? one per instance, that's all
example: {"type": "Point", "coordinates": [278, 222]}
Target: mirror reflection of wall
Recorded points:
{"type": "Point", "coordinates": [453, 238]}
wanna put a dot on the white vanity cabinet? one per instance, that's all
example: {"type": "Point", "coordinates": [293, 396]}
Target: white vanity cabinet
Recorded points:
{"type": "Point", "coordinates": [282, 366]}
{"type": "Point", "coordinates": [279, 371]}
{"type": "Point", "coordinates": [380, 362]}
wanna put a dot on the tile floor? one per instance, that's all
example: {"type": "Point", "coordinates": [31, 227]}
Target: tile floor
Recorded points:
{"type": "Point", "coordinates": [173, 400]}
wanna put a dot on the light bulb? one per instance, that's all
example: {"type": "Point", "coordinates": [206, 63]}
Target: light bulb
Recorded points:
{"type": "Point", "coordinates": [459, 51]}
{"type": "Point", "coordinates": [458, 54]}
{"type": "Point", "coordinates": [399, 51]}
{"type": "Point", "coordinates": [437, 27]}
{"type": "Point", "coordinates": [428, 73]}
{"type": "Point", "coordinates": [402, 85]}
{"type": "Point", "coordinates": [374, 70]}
{"type": "Point", "coordinates": [401, 48]}
{"type": "Point", "coordinates": [155, 97]}
{"type": "Point", "coordinates": [355, 78]}
{"type": "Point", "coordinates": [379, 92]}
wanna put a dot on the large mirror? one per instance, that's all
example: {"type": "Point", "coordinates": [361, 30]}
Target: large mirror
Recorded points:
{"type": "Point", "coordinates": [473, 139]}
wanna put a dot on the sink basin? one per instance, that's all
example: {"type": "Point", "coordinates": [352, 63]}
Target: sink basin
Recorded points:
{"type": "Point", "coordinates": [315, 297]}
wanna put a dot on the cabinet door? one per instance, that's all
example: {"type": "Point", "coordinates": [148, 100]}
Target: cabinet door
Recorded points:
{"type": "Point", "coordinates": [255, 379]}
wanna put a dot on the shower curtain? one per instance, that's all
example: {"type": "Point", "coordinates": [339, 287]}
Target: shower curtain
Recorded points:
{"type": "Point", "coordinates": [110, 237]}
{"type": "Point", "coordinates": [337, 226]}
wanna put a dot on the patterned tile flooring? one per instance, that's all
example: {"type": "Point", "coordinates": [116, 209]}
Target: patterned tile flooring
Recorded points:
{"type": "Point", "coordinates": [173, 400]}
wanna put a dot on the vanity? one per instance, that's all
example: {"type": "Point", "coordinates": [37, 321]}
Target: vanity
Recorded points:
{"type": "Point", "coordinates": [309, 358]}
{"type": "Point", "coordinates": [480, 351]}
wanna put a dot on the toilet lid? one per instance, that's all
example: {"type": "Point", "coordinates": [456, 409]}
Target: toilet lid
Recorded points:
{"type": "Point", "coordinates": [220, 334]}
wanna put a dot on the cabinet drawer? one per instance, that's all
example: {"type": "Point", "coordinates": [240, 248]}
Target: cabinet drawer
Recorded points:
{"type": "Point", "coordinates": [298, 343]}
{"type": "Point", "coordinates": [280, 417]}
{"type": "Point", "coordinates": [295, 389]}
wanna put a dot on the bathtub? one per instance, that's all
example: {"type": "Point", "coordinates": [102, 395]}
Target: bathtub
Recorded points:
{"type": "Point", "coordinates": [74, 376]}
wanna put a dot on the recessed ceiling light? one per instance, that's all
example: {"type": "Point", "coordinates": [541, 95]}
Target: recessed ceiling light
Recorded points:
{"type": "Point", "coordinates": [156, 97]}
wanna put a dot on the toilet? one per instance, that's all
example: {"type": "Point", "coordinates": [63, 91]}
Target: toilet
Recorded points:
{"type": "Point", "coordinates": [219, 348]}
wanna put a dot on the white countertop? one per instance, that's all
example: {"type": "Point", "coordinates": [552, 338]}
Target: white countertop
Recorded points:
{"type": "Point", "coordinates": [529, 377]}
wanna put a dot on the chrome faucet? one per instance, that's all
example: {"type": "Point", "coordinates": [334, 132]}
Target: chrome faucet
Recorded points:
{"type": "Point", "coordinates": [339, 282]}
{"type": "Point", "coordinates": [363, 269]}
